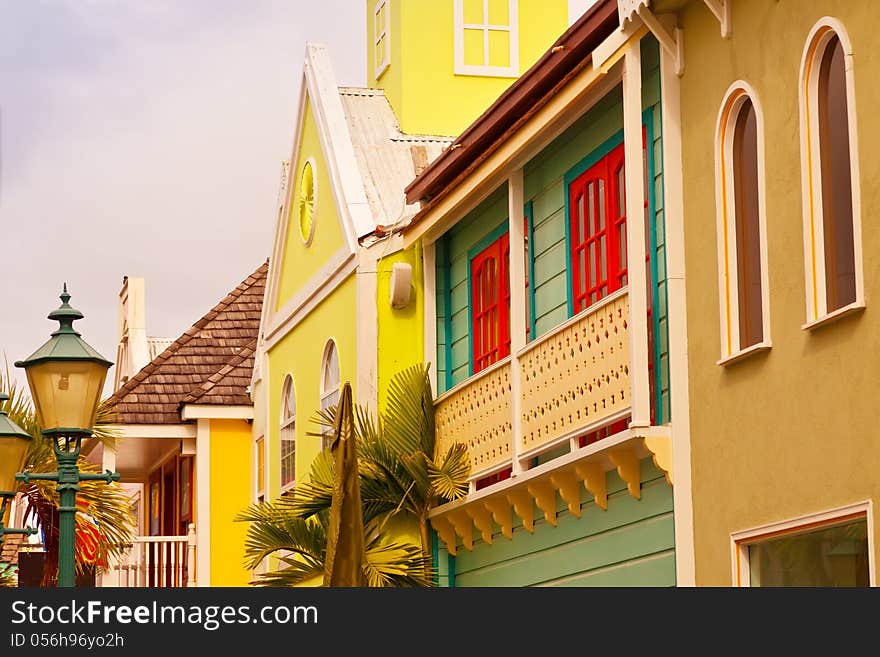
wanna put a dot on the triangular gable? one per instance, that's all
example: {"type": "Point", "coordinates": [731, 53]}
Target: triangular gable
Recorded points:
{"type": "Point", "coordinates": [318, 89]}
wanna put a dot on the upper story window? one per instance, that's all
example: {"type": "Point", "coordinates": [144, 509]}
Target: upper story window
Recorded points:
{"type": "Point", "coordinates": [381, 38]}
{"type": "Point", "coordinates": [486, 37]}
{"type": "Point", "coordinates": [288, 434]}
{"type": "Point", "coordinates": [598, 230]}
{"type": "Point", "coordinates": [490, 303]}
{"type": "Point", "coordinates": [742, 249]}
{"type": "Point", "coordinates": [329, 387]}
{"type": "Point", "coordinates": [832, 224]}
{"type": "Point", "coordinates": [307, 203]}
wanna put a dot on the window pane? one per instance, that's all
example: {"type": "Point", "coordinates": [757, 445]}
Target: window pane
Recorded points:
{"type": "Point", "coordinates": [583, 271]}
{"type": "Point", "coordinates": [621, 241]}
{"type": "Point", "coordinates": [499, 12]}
{"type": "Point", "coordinates": [748, 242]}
{"type": "Point", "coordinates": [331, 369]}
{"type": "Point", "coordinates": [578, 220]}
{"type": "Point", "coordinates": [621, 207]}
{"type": "Point", "coordinates": [601, 204]}
{"type": "Point", "coordinates": [836, 181]}
{"type": "Point", "coordinates": [473, 48]}
{"type": "Point", "coordinates": [473, 11]}
{"type": "Point", "coordinates": [499, 48]}
{"type": "Point", "coordinates": [591, 212]}
{"type": "Point", "coordinates": [603, 274]}
{"type": "Point", "coordinates": [835, 556]}
{"type": "Point", "coordinates": [591, 264]}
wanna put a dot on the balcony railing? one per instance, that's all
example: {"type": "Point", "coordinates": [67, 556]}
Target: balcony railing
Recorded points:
{"type": "Point", "coordinates": [478, 412]}
{"type": "Point", "coordinates": [572, 380]}
{"type": "Point", "coordinates": [155, 562]}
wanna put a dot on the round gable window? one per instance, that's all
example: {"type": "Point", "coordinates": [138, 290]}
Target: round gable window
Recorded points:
{"type": "Point", "coordinates": [307, 203]}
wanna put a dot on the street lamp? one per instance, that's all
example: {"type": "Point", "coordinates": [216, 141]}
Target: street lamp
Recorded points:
{"type": "Point", "coordinates": [66, 378]}
{"type": "Point", "coordinates": [14, 443]}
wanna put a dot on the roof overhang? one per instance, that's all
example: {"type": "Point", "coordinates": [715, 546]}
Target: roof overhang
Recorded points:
{"type": "Point", "coordinates": [216, 412]}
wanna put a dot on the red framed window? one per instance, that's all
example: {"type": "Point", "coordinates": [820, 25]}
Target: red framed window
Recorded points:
{"type": "Point", "coordinates": [490, 299]}
{"type": "Point", "coordinates": [598, 230]}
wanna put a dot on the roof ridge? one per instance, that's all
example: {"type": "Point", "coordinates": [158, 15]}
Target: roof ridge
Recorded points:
{"type": "Point", "coordinates": [237, 359]}
{"type": "Point", "coordinates": [187, 335]}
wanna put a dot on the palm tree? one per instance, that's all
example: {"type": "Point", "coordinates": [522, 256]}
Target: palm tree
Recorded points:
{"type": "Point", "coordinates": [402, 470]}
{"type": "Point", "coordinates": [8, 575]}
{"type": "Point", "coordinates": [301, 543]}
{"type": "Point", "coordinates": [108, 505]}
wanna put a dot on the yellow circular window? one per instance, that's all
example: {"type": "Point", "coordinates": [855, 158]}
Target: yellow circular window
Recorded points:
{"type": "Point", "coordinates": [307, 203]}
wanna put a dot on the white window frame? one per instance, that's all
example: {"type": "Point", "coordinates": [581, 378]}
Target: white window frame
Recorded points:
{"type": "Point", "coordinates": [287, 423]}
{"type": "Point", "coordinates": [512, 70]}
{"type": "Point", "coordinates": [740, 541]}
{"type": "Point", "coordinates": [327, 389]}
{"type": "Point", "coordinates": [381, 66]}
{"type": "Point", "coordinates": [728, 275]}
{"type": "Point", "coordinates": [811, 174]}
{"type": "Point", "coordinates": [259, 488]}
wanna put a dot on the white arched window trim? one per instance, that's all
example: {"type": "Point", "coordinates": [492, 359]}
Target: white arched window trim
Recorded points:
{"type": "Point", "coordinates": [287, 435]}
{"type": "Point", "coordinates": [811, 173]}
{"type": "Point", "coordinates": [330, 385]}
{"type": "Point", "coordinates": [734, 99]}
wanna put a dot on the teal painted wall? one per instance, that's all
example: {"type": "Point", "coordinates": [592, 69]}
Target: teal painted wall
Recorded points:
{"type": "Point", "coordinates": [544, 192]}
{"type": "Point", "coordinates": [453, 318]}
{"type": "Point", "coordinates": [630, 544]}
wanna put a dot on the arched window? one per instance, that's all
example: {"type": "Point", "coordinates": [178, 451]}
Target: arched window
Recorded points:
{"type": "Point", "coordinates": [288, 434]}
{"type": "Point", "coordinates": [832, 228]}
{"type": "Point", "coordinates": [329, 386]}
{"type": "Point", "coordinates": [742, 242]}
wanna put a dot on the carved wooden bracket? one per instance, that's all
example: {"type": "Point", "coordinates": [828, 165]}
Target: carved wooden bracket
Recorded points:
{"type": "Point", "coordinates": [502, 513]}
{"type": "Point", "coordinates": [463, 527]}
{"type": "Point", "coordinates": [569, 490]}
{"type": "Point", "coordinates": [446, 532]}
{"type": "Point", "coordinates": [545, 498]}
{"type": "Point", "coordinates": [522, 504]}
{"type": "Point", "coordinates": [627, 464]}
{"type": "Point", "coordinates": [593, 477]}
{"type": "Point", "coordinates": [482, 519]}
{"type": "Point", "coordinates": [721, 9]}
{"type": "Point", "coordinates": [661, 449]}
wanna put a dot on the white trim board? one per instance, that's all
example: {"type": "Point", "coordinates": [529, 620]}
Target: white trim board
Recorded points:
{"type": "Point", "coordinates": [217, 412]}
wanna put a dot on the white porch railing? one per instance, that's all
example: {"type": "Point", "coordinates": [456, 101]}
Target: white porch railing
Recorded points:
{"type": "Point", "coordinates": [155, 561]}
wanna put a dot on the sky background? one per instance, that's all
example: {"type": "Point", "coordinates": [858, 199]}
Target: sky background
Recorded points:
{"type": "Point", "coordinates": [145, 139]}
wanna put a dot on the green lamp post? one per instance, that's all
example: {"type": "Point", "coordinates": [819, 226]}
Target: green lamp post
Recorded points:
{"type": "Point", "coordinates": [66, 378]}
{"type": "Point", "coordinates": [14, 444]}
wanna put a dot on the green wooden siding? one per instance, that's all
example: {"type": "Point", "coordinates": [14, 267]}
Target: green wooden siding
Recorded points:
{"type": "Point", "coordinates": [453, 318]}
{"type": "Point", "coordinates": [544, 191]}
{"type": "Point", "coordinates": [630, 544]}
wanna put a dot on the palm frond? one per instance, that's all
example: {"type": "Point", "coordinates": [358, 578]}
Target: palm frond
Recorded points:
{"type": "Point", "coordinates": [449, 479]}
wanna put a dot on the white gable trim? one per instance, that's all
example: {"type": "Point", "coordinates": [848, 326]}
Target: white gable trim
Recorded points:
{"type": "Point", "coordinates": [319, 88]}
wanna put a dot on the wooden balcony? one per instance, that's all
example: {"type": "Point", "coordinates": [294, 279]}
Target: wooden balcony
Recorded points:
{"type": "Point", "coordinates": [570, 381]}
{"type": "Point", "coordinates": [155, 562]}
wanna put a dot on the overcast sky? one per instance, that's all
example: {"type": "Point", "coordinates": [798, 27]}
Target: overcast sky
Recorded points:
{"type": "Point", "coordinates": [144, 138]}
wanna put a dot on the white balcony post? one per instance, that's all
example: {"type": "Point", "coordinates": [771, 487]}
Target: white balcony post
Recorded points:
{"type": "Point", "coordinates": [191, 556]}
{"type": "Point", "coordinates": [673, 209]}
{"type": "Point", "coordinates": [429, 279]}
{"type": "Point", "coordinates": [516, 203]}
{"type": "Point", "coordinates": [635, 237]}
{"type": "Point", "coordinates": [203, 501]}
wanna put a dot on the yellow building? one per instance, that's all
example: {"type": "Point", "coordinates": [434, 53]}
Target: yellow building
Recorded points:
{"type": "Point", "coordinates": [344, 298]}
{"type": "Point", "coordinates": [777, 165]}
{"type": "Point", "coordinates": [184, 421]}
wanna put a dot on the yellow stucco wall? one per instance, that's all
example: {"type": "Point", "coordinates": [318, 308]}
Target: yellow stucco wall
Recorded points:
{"type": "Point", "coordinates": [301, 262]}
{"type": "Point", "coordinates": [300, 353]}
{"type": "Point", "coordinates": [792, 431]}
{"type": "Point", "coordinates": [231, 456]}
{"type": "Point", "coordinates": [401, 330]}
{"type": "Point", "coordinates": [421, 84]}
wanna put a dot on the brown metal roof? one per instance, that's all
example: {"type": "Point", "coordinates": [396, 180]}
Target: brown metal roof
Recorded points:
{"type": "Point", "coordinates": [522, 99]}
{"type": "Point", "coordinates": [210, 363]}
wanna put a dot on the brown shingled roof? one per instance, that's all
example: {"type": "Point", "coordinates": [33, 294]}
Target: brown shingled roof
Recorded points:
{"type": "Point", "coordinates": [211, 363]}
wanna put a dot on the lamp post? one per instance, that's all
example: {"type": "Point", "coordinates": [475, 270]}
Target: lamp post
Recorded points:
{"type": "Point", "coordinates": [66, 378]}
{"type": "Point", "coordinates": [14, 443]}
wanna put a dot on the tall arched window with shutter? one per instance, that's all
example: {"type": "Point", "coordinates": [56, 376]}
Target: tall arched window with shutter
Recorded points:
{"type": "Point", "coordinates": [829, 162]}
{"type": "Point", "coordinates": [742, 233]}
{"type": "Point", "coordinates": [329, 386]}
{"type": "Point", "coordinates": [288, 434]}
